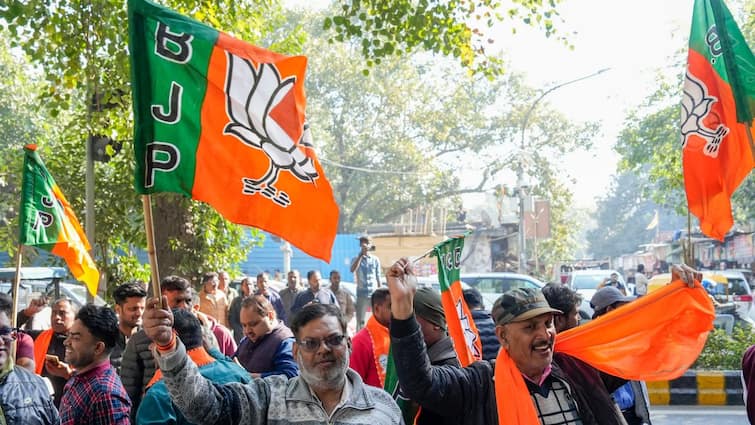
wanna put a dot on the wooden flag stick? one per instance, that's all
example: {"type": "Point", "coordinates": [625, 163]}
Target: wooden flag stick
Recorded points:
{"type": "Point", "coordinates": [749, 138]}
{"type": "Point", "coordinates": [148, 227]}
{"type": "Point", "coordinates": [16, 286]}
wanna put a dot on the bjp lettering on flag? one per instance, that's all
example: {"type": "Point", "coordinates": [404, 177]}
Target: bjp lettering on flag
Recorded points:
{"type": "Point", "coordinates": [222, 121]}
{"type": "Point", "coordinates": [48, 222]}
{"type": "Point", "coordinates": [461, 326]}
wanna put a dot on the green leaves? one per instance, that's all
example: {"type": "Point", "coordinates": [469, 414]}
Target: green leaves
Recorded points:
{"type": "Point", "coordinates": [439, 27]}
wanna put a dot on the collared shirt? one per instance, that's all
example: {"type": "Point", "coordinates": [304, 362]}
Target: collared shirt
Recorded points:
{"type": "Point", "coordinates": [216, 305]}
{"type": "Point", "coordinates": [95, 397]}
{"type": "Point", "coordinates": [368, 275]}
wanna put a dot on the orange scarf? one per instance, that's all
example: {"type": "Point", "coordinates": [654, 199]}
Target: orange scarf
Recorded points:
{"type": "Point", "coordinates": [41, 345]}
{"type": "Point", "coordinates": [381, 344]}
{"type": "Point", "coordinates": [657, 337]}
{"type": "Point", "coordinates": [198, 355]}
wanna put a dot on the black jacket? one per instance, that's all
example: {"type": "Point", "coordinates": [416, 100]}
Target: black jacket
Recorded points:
{"type": "Point", "coordinates": [137, 368]}
{"type": "Point", "coordinates": [486, 329]}
{"type": "Point", "coordinates": [467, 395]}
{"type": "Point", "coordinates": [25, 400]}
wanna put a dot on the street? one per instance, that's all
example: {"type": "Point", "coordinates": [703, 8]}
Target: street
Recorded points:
{"type": "Point", "coordinates": [698, 415]}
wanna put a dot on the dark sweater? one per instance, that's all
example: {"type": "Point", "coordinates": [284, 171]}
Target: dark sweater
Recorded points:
{"type": "Point", "coordinates": [467, 395]}
{"type": "Point", "coordinates": [486, 329]}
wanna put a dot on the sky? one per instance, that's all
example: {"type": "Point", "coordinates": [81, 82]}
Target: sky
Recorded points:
{"type": "Point", "coordinates": [635, 39]}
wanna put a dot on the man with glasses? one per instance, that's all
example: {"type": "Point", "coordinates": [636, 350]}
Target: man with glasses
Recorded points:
{"type": "Point", "coordinates": [23, 395]}
{"type": "Point", "coordinates": [326, 391]}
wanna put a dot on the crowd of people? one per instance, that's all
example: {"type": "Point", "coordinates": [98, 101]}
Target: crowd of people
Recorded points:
{"type": "Point", "coordinates": [210, 355]}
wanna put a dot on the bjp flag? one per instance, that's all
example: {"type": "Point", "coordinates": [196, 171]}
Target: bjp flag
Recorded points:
{"type": "Point", "coordinates": [461, 326]}
{"type": "Point", "coordinates": [222, 121]}
{"type": "Point", "coordinates": [47, 221]}
{"type": "Point", "coordinates": [717, 116]}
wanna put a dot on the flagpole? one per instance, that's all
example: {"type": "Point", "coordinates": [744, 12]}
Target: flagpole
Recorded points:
{"type": "Point", "coordinates": [16, 285]}
{"type": "Point", "coordinates": [150, 230]}
{"type": "Point", "coordinates": [748, 131]}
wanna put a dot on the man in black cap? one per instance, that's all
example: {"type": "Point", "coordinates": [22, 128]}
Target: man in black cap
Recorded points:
{"type": "Point", "coordinates": [563, 389]}
{"type": "Point", "coordinates": [607, 299]}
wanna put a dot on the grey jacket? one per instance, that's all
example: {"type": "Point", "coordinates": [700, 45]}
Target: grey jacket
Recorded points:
{"type": "Point", "coordinates": [272, 400]}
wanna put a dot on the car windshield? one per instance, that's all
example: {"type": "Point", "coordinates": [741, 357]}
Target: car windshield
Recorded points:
{"type": "Point", "coordinates": [587, 281]}
{"type": "Point", "coordinates": [736, 286]}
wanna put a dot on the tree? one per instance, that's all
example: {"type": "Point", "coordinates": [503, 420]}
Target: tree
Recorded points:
{"type": "Point", "coordinates": [20, 122]}
{"type": "Point", "coordinates": [462, 30]}
{"type": "Point", "coordinates": [397, 138]}
{"type": "Point", "coordinates": [80, 49]}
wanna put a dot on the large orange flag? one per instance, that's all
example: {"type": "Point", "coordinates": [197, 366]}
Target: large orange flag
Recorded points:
{"type": "Point", "coordinates": [657, 337]}
{"type": "Point", "coordinates": [717, 116]}
{"type": "Point", "coordinates": [222, 121]}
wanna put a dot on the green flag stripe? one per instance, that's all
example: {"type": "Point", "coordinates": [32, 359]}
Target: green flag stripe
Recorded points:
{"type": "Point", "coordinates": [169, 70]}
{"type": "Point", "coordinates": [716, 36]}
{"type": "Point", "coordinates": [40, 219]}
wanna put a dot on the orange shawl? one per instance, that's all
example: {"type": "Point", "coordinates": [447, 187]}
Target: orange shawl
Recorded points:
{"type": "Point", "coordinates": [381, 343]}
{"type": "Point", "coordinates": [198, 355]}
{"type": "Point", "coordinates": [41, 345]}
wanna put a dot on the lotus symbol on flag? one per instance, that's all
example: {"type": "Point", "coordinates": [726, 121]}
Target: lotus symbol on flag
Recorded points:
{"type": "Point", "coordinates": [253, 92]}
{"type": "Point", "coordinates": [696, 106]}
{"type": "Point", "coordinates": [469, 336]}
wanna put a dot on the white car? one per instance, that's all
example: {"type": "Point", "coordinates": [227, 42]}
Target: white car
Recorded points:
{"type": "Point", "coordinates": [586, 282]}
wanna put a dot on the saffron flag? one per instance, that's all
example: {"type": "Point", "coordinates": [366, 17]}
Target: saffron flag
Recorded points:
{"type": "Point", "coordinates": [47, 221]}
{"type": "Point", "coordinates": [717, 114]}
{"type": "Point", "coordinates": [222, 121]}
{"type": "Point", "coordinates": [657, 337]}
{"type": "Point", "coordinates": [461, 326]}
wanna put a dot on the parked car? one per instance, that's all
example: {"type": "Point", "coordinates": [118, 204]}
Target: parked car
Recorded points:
{"type": "Point", "coordinates": [38, 281]}
{"type": "Point", "coordinates": [586, 282]}
{"type": "Point", "coordinates": [493, 285]}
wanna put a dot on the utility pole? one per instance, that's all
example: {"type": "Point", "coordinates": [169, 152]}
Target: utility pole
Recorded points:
{"type": "Point", "coordinates": [521, 185]}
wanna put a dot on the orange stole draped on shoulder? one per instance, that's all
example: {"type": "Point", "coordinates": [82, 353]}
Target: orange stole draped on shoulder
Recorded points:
{"type": "Point", "coordinates": [198, 355]}
{"type": "Point", "coordinates": [381, 343]}
{"type": "Point", "coordinates": [657, 337]}
{"type": "Point", "coordinates": [41, 345]}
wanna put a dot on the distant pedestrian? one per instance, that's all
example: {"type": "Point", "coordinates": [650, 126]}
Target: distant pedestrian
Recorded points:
{"type": "Point", "coordinates": [315, 293]}
{"type": "Point", "coordinates": [212, 301]}
{"type": "Point", "coordinates": [234, 311]}
{"type": "Point", "coordinates": [367, 270]}
{"type": "Point", "coordinates": [264, 289]}
{"type": "Point", "coordinates": [345, 300]}
{"type": "Point", "coordinates": [640, 281]}
{"type": "Point", "coordinates": [289, 293]}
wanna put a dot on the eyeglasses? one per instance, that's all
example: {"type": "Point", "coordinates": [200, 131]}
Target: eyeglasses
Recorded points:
{"type": "Point", "coordinates": [8, 334]}
{"type": "Point", "coordinates": [311, 345]}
